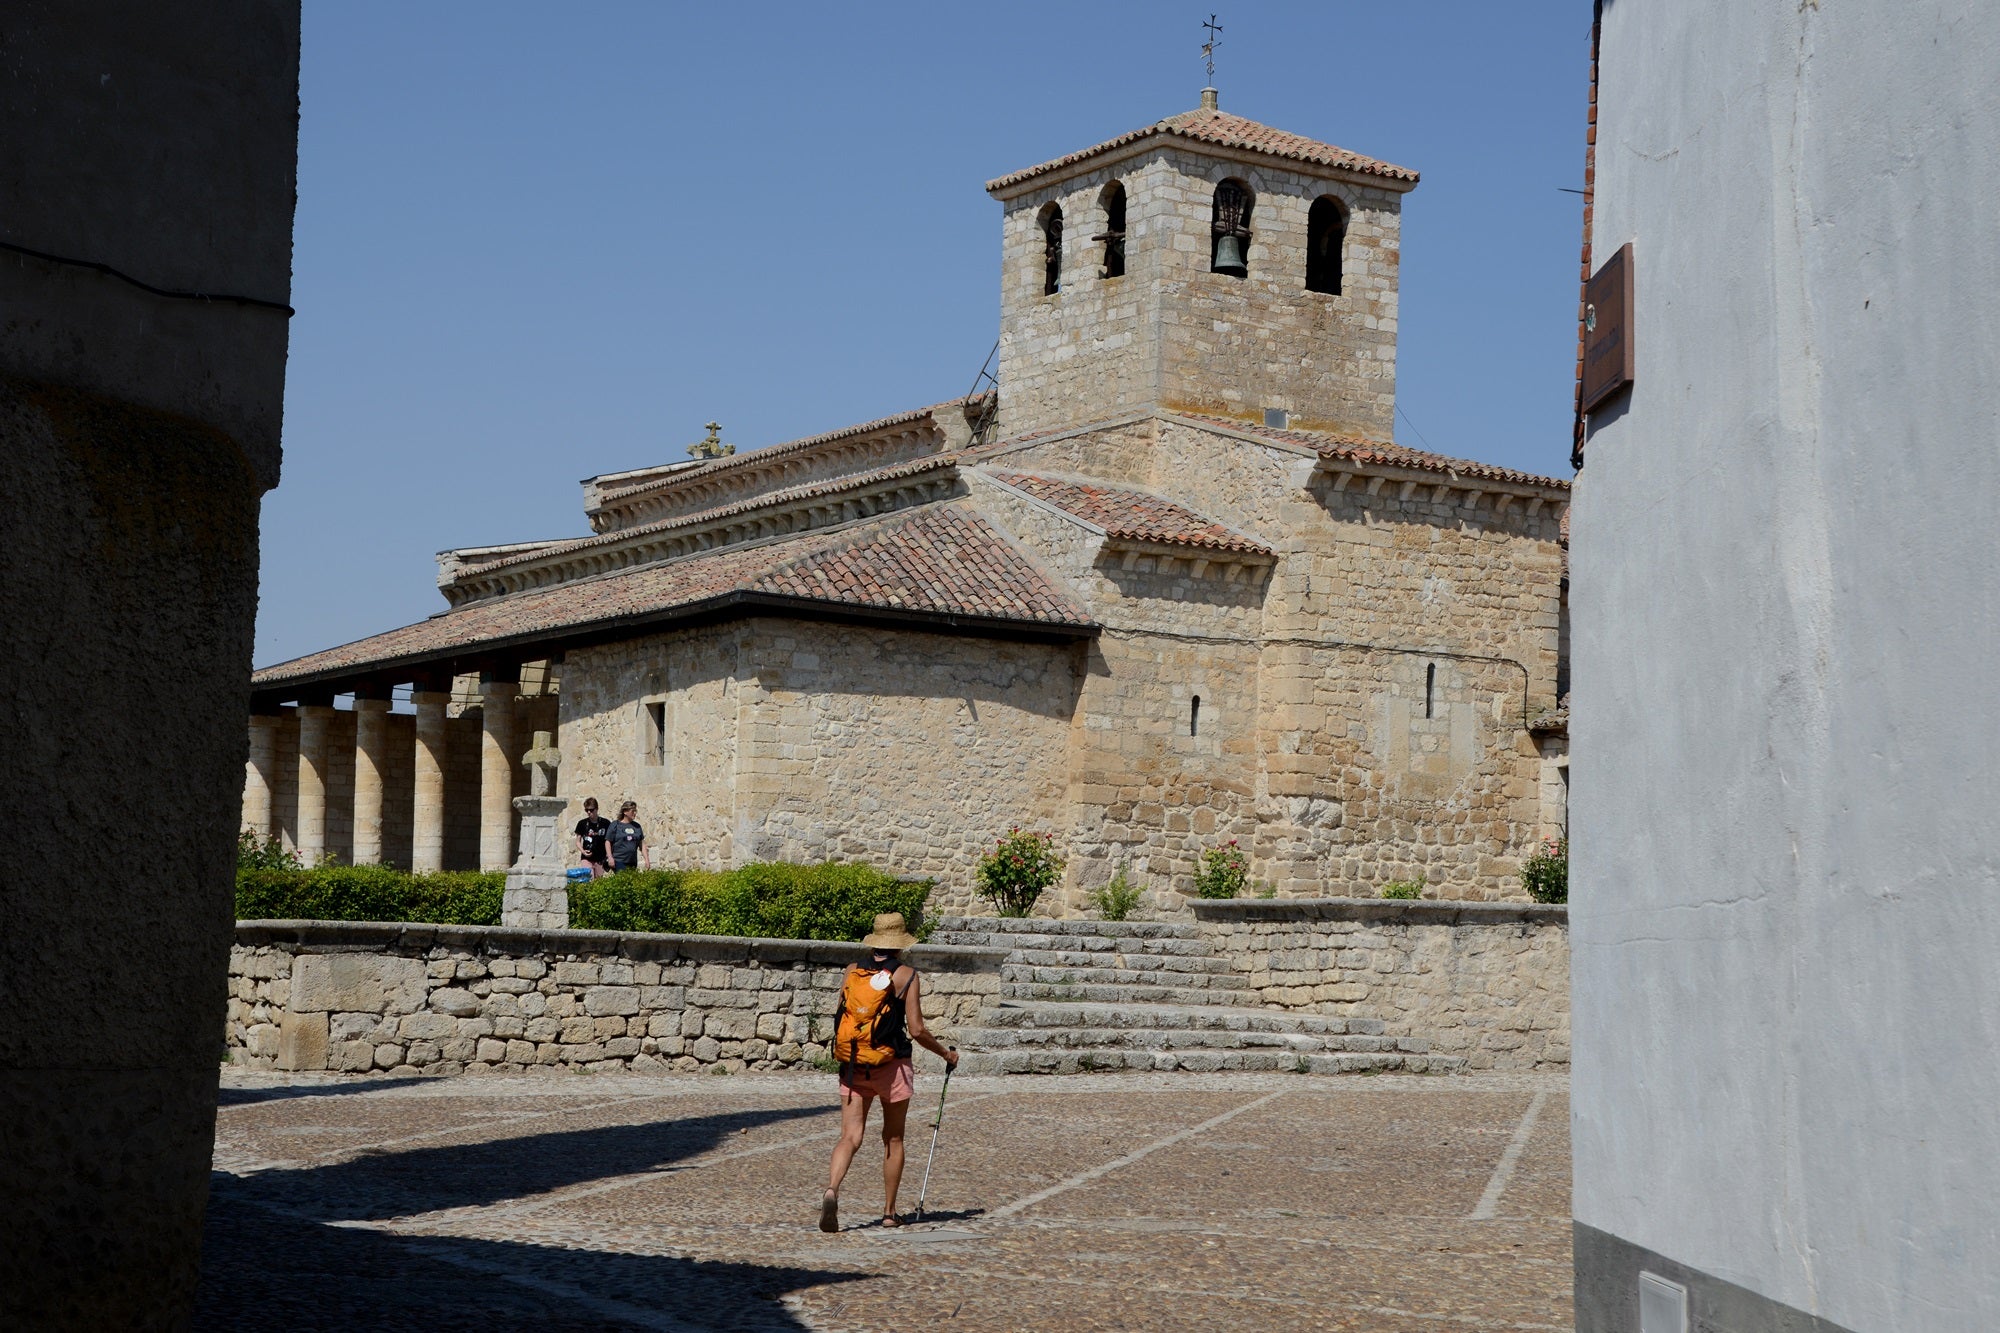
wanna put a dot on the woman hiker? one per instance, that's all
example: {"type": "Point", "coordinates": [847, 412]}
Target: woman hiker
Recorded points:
{"type": "Point", "coordinates": [880, 1016]}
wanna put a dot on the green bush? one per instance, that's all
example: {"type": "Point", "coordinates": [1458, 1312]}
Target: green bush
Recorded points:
{"type": "Point", "coordinates": [1223, 872]}
{"type": "Point", "coordinates": [1115, 901]}
{"type": "Point", "coordinates": [1017, 870]}
{"type": "Point", "coordinates": [253, 853]}
{"type": "Point", "coordinates": [1403, 889]}
{"type": "Point", "coordinates": [1546, 874]}
{"type": "Point", "coordinates": [367, 893]}
{"type": "Point", "coordinates": [773, 899]}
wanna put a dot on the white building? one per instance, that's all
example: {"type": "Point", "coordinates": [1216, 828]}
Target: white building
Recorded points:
{"type": "Point", "coordinates": [1786, 615]}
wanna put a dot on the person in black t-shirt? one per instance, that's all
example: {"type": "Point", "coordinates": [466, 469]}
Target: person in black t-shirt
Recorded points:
{"type": "Point", "coordinates": [593, 842]}
{"type": "Point", "coordinates": [628, 839]}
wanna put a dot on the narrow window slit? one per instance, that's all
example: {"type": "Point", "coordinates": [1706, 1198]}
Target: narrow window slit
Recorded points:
{"type": "Point", "coordinates": [1194, 716]}
{"type": "Point", "coordinates": [1430, 688]}
{"type": "Point", "coordinates": [656, 734]}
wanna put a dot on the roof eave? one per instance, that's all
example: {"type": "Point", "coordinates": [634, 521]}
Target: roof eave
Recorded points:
{"type": "Point", "coordinates": [1006, 188]}
{"type": "Point", "coordinates": [734, 604]}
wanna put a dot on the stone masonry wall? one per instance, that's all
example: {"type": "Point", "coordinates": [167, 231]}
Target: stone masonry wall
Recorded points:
{"type": "Point", "coordinates": [356, 997]}
{"type": "Point", "coordinates": [910, 751]}
{"type": "Point", "coordinates": [1364, 700]}
{"type": "Point", "coordinates": [1486, 981]}
{"type": "Point", "coordinates": [610, 751]}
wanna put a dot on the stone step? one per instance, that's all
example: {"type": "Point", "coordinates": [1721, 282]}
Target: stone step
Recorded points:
{"type": "Point", "coordinates": [1233, 1018]}
{"type": "Point", "coordinates": [1114, 969]}
{"type": "Point", "coordinates": [1078, 946]}
{"type": "Point", "coordinates": [1128, 993]}
{"type": "Point", "coordinates": [1178, 1039]}
{"type": "Point", "coordinates": [1041, 925]}
{"type": "Point", "coordinates": [1172, 1039]}
{"type": "Point", "coordinates": [1029, 1061]}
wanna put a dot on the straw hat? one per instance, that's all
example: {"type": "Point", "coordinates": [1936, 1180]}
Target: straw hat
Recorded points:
{"type": "Point", "coordinates": [890, 932]}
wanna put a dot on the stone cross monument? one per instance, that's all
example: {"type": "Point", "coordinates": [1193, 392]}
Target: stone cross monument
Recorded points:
{"type": "Point", "coordinates": [537, 895]}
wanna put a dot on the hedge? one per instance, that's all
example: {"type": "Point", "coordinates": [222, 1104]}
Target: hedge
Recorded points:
{"type": "Point", "coordinates": [368, 893]}
{"type": "Point", "coordinates": [779, 900]}
{"type": "Point", "coordinates": [773, 899]}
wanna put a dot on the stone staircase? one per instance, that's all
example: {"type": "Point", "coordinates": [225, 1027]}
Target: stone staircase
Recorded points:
{"type": "Point", "coordinates": [1082, 996]}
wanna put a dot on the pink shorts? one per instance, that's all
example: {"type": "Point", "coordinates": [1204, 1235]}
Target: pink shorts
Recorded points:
{"type": "Point", "coordinates": [893, 1082]}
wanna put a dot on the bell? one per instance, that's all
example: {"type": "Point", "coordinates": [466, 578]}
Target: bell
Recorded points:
{"type": "Point", "coordinates": [1229, 255]}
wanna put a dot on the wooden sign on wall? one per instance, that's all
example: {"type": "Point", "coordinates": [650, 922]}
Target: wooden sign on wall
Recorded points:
{"type": "Point", "coordinates": [1607, 329]}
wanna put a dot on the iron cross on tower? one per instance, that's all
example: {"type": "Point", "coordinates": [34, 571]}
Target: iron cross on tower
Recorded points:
{"type": "Point", "coordinates": [1208, 47]}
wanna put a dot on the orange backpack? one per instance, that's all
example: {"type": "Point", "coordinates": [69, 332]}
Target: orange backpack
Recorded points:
{"type": "Point", "coordinates": [856, 1034]}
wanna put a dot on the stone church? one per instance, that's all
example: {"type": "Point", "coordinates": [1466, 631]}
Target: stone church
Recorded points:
{"type": "Point", "coordinates": [1166, 585]}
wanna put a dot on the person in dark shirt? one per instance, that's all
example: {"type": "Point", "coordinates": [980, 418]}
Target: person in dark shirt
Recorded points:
{"type": "Point", "coordinates": [593, 839]}
{"type": "Point", "coordinates": [628, 839]}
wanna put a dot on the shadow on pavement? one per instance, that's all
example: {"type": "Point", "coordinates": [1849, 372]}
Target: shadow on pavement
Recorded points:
{"type": "Point", "coordinates": [264, 1268]}
{"type": "Point", "coordinates": [251, 1096]}
{"type": "Point", "coordinates": [281, 1250]}
{"type": "Point", "coordinates": [468, 1175]}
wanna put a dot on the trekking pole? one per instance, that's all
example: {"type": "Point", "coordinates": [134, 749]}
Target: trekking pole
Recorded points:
{"type": "Point", "coordinates": [934, 1138]}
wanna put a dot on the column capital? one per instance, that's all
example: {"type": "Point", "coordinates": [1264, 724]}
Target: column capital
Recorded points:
{"type": "Point", "coordinates": [373, 691]}
{"type": "Point", "coordinates": [509, 674]}
{"type": "Point", "coordinates": [422, 699]}
{"type": "Point", "coordinates": [316, 710]}
{"type": "Point", "coordinates": [370, 705]}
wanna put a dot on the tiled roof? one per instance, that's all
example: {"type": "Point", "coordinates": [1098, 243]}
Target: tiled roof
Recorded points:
{"type": "Point", "coordinates": [1133, 515]}
{"type": "Point", "coordinates": [756, 457]}
{"type": "Point", "coordinates": [812, 490]}
{"type": "Point", "coordinates": [937, 560]}
{"type": "Point", "coordinates": [1356, 449]}
{"type": "Point", "coordinates": [1224, 130]}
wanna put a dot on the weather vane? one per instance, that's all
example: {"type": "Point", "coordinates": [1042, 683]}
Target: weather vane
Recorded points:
{"type": "Point", "coordinates": [1208, 47]}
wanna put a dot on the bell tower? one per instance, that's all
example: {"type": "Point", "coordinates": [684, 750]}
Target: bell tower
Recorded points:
{"type": "Point", "coordinates": [1205, 263]}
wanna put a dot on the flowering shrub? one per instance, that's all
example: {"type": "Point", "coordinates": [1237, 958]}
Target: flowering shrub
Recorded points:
{"type": "Point", "coordinates": [1224, 871]}
{"type": "Point", "coordinates": [1546, 874]}
{"type": "Point", "coordinates": [1115, 901]}
{"type": "Point", "coordinates": [1017, 870]}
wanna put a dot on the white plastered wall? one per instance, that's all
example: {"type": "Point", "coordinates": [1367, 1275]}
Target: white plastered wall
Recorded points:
{"type": "Point", "coordinates": [1786, 812]}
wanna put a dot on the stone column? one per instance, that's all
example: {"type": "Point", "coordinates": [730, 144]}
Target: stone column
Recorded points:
{"type": "Point", "coordinates": [260, 774]}
{"type": "Point", "coordinates": [314, 719]}
{"type": "Point", "coordinates": [427, 844]}
{"type": "Point", "coordinates": [496, 771]}
{"type": "Point", "coordinates": [371, 760]}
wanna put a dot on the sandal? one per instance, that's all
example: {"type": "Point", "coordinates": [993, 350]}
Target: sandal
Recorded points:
{"type": "Point", "coordinates": [829, 1213]}
{"type": "Point", "coordinates": [891, 1220]}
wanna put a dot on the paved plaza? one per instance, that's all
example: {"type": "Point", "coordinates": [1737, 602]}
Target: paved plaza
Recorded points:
{"type": "Point", "coordinates": [1127, 1201]}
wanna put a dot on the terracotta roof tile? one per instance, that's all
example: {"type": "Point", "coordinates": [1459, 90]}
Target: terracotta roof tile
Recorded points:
{"type": "Point", "coordinates": [755, 457]}
{"type": "Point", "coordinates": [812, 490]}
{"type": "Point", "coordinates": [1133, 515]}
{"type": "Point", "coordinates": [1354, 448]}
{"type": "Point", "coordinates": [1224, 130]}
{"type": "Point", "coordinates": [940, 560]}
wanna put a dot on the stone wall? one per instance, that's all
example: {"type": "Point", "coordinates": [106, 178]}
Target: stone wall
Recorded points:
{"type": "Point", "coordinates": [137, 431]}
{"type": "Point", "coordinates": [1486, 981]}
{"type": "Point", "coordinates": [361, 996]}
{"type": "Point", "coordinates": [800, 741]}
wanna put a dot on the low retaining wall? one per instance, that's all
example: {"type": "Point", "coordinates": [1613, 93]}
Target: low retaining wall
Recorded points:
{"type": "Point", "coordinates": [358, 996]}
{"type": "Point", "coordinates": [1486, 981]}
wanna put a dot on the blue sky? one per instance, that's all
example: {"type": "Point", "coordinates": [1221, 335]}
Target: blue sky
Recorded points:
{"type": "Point", "coordinates": [536, 242]}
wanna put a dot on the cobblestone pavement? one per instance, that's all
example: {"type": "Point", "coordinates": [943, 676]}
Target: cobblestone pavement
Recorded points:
{"type": "Point", "coordinates": [1128, 1201]}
